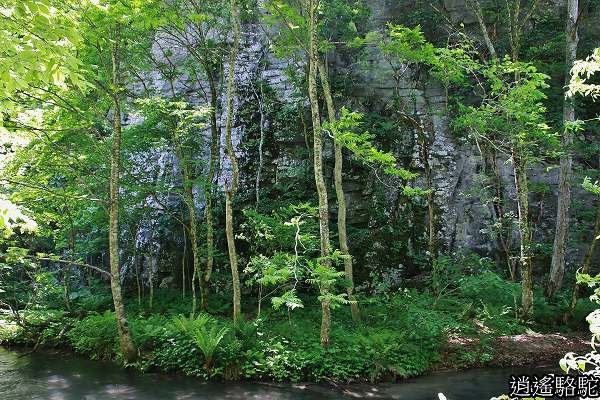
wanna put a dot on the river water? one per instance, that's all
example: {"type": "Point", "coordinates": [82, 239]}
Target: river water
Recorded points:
{"type": "Point", "coordinates": [50, 376]}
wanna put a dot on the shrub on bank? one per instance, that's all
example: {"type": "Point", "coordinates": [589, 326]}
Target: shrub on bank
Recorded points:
{"type": "Point", "coordinates": [95, 336]}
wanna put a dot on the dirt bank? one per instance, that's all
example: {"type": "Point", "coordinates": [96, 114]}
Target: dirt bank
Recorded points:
{"type": "Point", "coordinates": [532, 349]}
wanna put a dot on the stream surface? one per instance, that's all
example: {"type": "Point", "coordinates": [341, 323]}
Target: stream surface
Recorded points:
{"type": "Point", "coordinates": [52, 376]}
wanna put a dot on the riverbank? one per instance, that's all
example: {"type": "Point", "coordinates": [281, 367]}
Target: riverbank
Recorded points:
{"type": "Point", "coordinates": [532, 350]}
{"type": "Point", "coordinates": [52, 375]}
{"type": "Point", "coordinates": [523, 350]}
{"type": "Point", "coordinates": [401, 336]}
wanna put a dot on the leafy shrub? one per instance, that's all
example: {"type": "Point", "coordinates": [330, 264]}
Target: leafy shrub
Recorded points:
{"type": "Point", "coordinates": [9, 333]}
{"type": "Point", "coordinates": [206, 334]}
{"type": "Point", "coordinates": [48, 291]}
{"type": "Point", "coordinates": [492, 301]}
{"type": "Point", "coordinates": [343, 361]}
{"type": "Point", "coordinates": [489, 288]}
{"type": "Point", "coordinates": [449, 270]}
{"type": "Point", "coordinates": [94, 298]}
{"type": "Point", "coordinates": [582, 309]}
{"type": "Point", "coordinates": [165, 301]}
{"type": "Point", "coordinates": [176, 351]}
{"type": "Point", "coordinates": [148, 332]}
{"type": "Point", "coordinates": [274, 359]}
{"type": "Point", "coordinates": [95, 336]}
{"type": "Point", "coordinates": [54, 334]}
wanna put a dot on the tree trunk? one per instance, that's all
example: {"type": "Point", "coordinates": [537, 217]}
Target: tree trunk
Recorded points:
{"type": "Point", "coordinates": [325, 323]}
{"type": "Point", "coordinates": [341, 199]}
{"type": "Point", "coordinates": [557, 268]}
{"type": "Point", "coordinates": [183, 259]}
{"type": "Point", "coordinates": [232, 186]}
{"type": "Point", "coordinates": [66, 292]}
{"type": "Point", "coordinates": [235, 277]}
{"type": "Point", "coordinates": [151, 260]}
{"type": "Point", "coordinates": [126, 344]}
{"type": "Point", "coordinates": [587, 261]}
{"type": "Point", "coordinates": [311, 6]}
{"type": "Point", "coordinates": [475, 6]}
{"type": "Point", "coordinates": [503, 238]}
{"type": "Point", "coordinates": [137, 273]}
{"type": "Point", "coordinates": [261, 143]}
{"type": "Point", "coordinates": [521, 186]}
{"type": "Point", "coordinates": [514, 30]}
{"type": "Point", "coordinates": [208, 190]}
{"type": "Point", "coordinates": [431, 228]}
{"type": "Point", "coordinates": [189, 200]}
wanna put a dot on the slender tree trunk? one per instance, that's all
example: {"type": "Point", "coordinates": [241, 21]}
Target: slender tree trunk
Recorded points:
{"type": "Point", "coordinates": [341, 199]}
{"type": "Point", "coordinates": [587, 261]}
{"type": "Point", "coordinates": [134, 263]}
{"type": "Point", "coordinates": [475, 6]}
{"type": "Point", "coordinates": [183, 259]}
{"type": "Point", "coordinates": [431, 228]}
{"type": "Point", "coordinates": [137, 273]}
{"type": "Point", "coordinates": [189, 200]}
{"type": "Point", "coordinates": [497, 210]}
{"type": "Point", "coordinates": [232, 187]}
{"type": "Point", "coordinates": [66, 287]}
{"type": "Point", "coordinates": [517, 21]}
{"type": "Point", "coordinates": [237, 307]}
{"type": "Point", "coordinates": [311, 7]}
{"type": "Point", "coordinates": [193, 290]}
{"type": "Point", "coordinates": [66, 274]}
{"type": "Point", "coordinates": [557, 268]}
{"type": "Point", "coordinates": [208, 189]}
{"type": "Point", "coordinates": [317, 134]}
{"type": "Point", "coordinates": [514, 30]}
{"type": "Point", "coordinates": [504, 236]}
{"type": "Point", "coordinates": [304, 129]}
{"type": "Point", "coordinates": [126, 344]}
{"type": "Point", "coordinates": [151, 282]}
{"type": "Point", "coordinates": [261, 143]}
{"type": "Point", "coordinates": [522, 189]}
{"type": "Point", "coordinates": [260, 289]}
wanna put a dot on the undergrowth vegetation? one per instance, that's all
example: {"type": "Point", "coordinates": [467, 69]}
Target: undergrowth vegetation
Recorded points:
{"type": "Point", "coordinates": [402, 333]}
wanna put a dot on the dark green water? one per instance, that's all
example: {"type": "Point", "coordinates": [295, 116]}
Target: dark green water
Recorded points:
{"type": "Point", "coordinates": [49, 376]}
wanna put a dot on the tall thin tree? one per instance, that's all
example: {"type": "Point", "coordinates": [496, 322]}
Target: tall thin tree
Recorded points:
{"type": "Point", "coordinates": [126, 344]}
{"type": "Point", "coordinates": [341, 198]}
{"type": "Point", "coordinates": [557, 269]}
{"type": "Point", "coordinates": [232, 186]}
{"type": "Point", "coordinates": [313, 58]}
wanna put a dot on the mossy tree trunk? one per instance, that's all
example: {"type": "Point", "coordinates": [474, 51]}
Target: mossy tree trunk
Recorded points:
{"type": "Point", "coordinates": [231, 187]}
{"type": "Point", "coordinates": [188, 199]}
{"type": "Point", "coordinates": [126, 344]}
{"type": "Point", "coordinates": [557, 269]}
{"type": "Point", "coordinates": [477, 10]}
{"type": "Point", "coordinates": [425, 142]}
{"type": "Point", "coordinates": [521, 186]}
{"type": "Point", "coordinates": [503, 233]}
{"type": "Point", "coordinates": [183, 258]}
{"type": "Point", "coordinates": [208, 188]}
{"type": "Point", "coordinates": [311, 8]}
{"type": "Point", "coordinates": [341, 199]}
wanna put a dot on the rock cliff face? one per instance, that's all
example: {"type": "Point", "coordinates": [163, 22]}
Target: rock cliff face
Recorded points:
{"type": "Point", "coordinates": [464, 221]}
